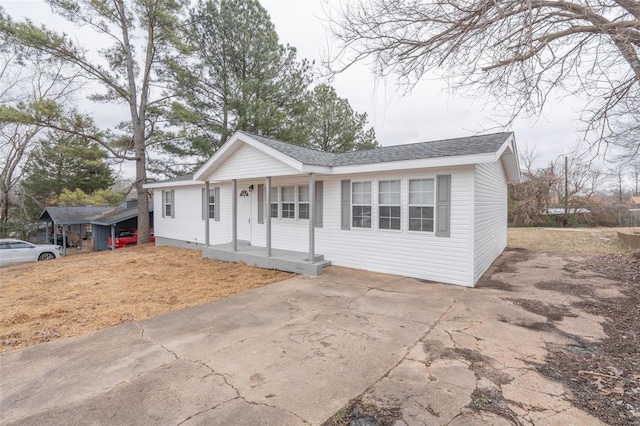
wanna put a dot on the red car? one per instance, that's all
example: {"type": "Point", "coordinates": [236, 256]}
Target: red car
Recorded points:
{"type": "Point", "coordinates": [127, 238]}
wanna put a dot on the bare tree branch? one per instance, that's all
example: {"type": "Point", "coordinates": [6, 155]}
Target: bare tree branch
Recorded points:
{"type": "Point", "coordinates": [517, 51]}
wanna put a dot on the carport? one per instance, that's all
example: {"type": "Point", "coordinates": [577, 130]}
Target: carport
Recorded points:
{"type": "Point", "coordinates": [106, 224]}
{"type": "Point", "coordinates": [75, 218]}
{"type": "Point", "coordinates": [99, 222]}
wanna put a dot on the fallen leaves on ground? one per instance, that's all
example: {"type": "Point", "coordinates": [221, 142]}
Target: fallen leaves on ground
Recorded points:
{"type": "Point", "coordinates": [43, 301]}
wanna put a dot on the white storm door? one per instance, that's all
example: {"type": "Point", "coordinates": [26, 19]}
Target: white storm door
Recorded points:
{"type": "Point", "coordinates": [244, 214]}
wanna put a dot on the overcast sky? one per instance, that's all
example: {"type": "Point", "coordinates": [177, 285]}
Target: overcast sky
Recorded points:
{"type": "Point", "coordinates": [429, 112]}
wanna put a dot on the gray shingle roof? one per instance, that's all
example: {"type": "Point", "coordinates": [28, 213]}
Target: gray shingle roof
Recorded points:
{"type": "Point", "coordinates": [304, 155]}
{"type": "Point", "coordinates": [117, 215]}
{"type": "Point", "coordinates": [71, 214]}
{"type": "Point", "coordinates": [471, 145]}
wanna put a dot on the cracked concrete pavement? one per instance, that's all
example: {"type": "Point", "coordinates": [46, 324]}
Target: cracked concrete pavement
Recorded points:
{"type": "Point", "coordinates": [295, 352]}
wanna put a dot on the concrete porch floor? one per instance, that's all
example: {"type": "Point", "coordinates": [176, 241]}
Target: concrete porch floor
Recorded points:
{"type": "Point", "coordinates": [283, 260]}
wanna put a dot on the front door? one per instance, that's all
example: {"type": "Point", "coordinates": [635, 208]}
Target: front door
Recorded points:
{"type": "Point", "coordinates": [244, 214]}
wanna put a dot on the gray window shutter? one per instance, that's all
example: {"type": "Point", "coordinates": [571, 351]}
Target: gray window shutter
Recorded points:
{"type": "Point", "coordinates": [443, 205]}
{"type": "Point", "coordinates": [173, 203]}
{"type": "Point", "coordinates": [345, 205]}
{"type": "Point", "coordinates": [319, 196]}
{"type": "Point", "coordinates": [260, 203]}
{"type": "Point", "coordinates": [205, 204]}
{"type": "Point", "coordinates": [162, 203]}
{"type": "Point", "coordinates": [217, 205]}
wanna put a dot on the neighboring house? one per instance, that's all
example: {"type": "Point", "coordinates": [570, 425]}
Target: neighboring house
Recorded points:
{"type": "Point", "coordinates": [435, 210]}
{"type": "Point", "coordinates": [634, 202]}
{"type": "Point", "coordinates": [89, 224]}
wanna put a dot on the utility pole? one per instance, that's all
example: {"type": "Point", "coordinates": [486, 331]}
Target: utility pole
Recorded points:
{"type": "Point", "coordinates": [566, 190]}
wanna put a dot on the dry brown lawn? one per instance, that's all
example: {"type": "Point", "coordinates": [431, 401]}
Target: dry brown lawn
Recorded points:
{"type": "Point", "coordinates": [568, 241]}
{"type": "Point", "coordinates": [42, 301]}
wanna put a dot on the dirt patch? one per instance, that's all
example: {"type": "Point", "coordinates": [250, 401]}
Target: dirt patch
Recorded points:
{"type": "Point", "coordinates": [604, 377]}
{"type": "Point", "coordinates": [43, 301]}
{"type": "Point", "coordinates": [480, 364]}
{"type": "Point", "coordinates": [505, 264]}
{"type": "Point", "coordinates": [551, 312]}
{"type": "Point", "coordinates": [565, 287]}
{"type": "Point", "coordinates": [495, 284]}
{"type": "Point", "coordinates": [360, 413]}
{"type": "Point", "coordinates": [490, 399]}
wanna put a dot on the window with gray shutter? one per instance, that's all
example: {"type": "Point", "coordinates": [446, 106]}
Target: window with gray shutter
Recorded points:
{"type": "Point", "coordinates": [260, 203]}
{"type": "Point", "coordinates": [345, 204]}
{"type": "Point", "coordinates": [319, 196]}
{"type": "Point", "coordinates": [443, 205]}
{"type": "Point", "coordinates": [173, 203]}
{"type": "Point", "coordinates": [217, 205]}
{"type": "Point", "coordinates": [204, 204]}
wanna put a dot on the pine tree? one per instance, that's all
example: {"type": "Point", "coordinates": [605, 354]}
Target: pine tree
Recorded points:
{"type": "Point", "coordinates": [331, 124]}
{"type": "Point", "coordinates": [63, 161]}
{"type": "Point", "coordinates": [234, 75]}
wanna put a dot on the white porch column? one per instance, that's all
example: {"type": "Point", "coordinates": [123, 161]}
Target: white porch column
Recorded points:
{"type": "Point", "coordinates": [113, 237]}
{"type": "Point", "coordinates": [234, 214]}
{"type": "Point", "coordinates": [312, 217]}
{"type": "Point", "coordinates": [267, 219]}
{"type": "Point", "coordinates": [206, 213]}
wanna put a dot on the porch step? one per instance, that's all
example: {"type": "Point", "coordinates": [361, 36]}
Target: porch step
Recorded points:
{"type": "Point", "coordinates": [283, 260]}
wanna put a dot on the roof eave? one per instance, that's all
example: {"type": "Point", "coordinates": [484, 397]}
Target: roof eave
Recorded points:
{"type": "Point", "coordinates": [422, 163]}
{"type": "Point", "coordinates": [508, 155]}
{"type": "Point", "coordinates": [155, 185]}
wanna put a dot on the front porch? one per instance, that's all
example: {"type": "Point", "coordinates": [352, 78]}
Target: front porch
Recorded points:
{"type": "Point", "coordinates": [283, 260]}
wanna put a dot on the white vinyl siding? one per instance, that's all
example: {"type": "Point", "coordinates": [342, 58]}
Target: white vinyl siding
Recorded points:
{"type": "Point", "coordinates": [416, 254]}
{"type": "Point", "coordinates": [187, 224]}
{"type": "Point", "coordinates": [261, 165]}
{"type": "Point", "coordinates": [490, 221]}
{"type": "Point", "coordinates": [404, 252]}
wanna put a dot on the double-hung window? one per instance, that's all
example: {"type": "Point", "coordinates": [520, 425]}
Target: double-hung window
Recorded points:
{"type": "Point", "coordinates": [303, 202]}
{"type": "Point", "coordinates": [274, 202]}
{"type": "Point", "coordinates": [421, 202]}
{"type": "Point", "coordinates": [389, 204]}
{"type": "Point", "coordinates": [361, 204]}
{"type": "Point", "coordinates": [168, 203]}
{"type": "Point", "coordinates": [212, 203]}
{"type": "Point", "coordinates": [288, 201]}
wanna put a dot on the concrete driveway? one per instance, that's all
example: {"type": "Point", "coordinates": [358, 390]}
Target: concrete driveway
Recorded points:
{"type": "Point", "coordinates": [292, 352]}
{"type": "Point", "coordinates": [295, 352]}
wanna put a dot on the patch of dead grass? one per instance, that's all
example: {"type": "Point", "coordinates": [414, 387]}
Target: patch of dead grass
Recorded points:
{"type": "Point", "coordinates": [567, 241]}
{"type": "Point", "coordinates": [42, 301]}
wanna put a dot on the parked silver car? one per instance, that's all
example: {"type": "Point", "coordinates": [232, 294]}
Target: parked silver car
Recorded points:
{"type": "Point", "coordinates": [17, 251]}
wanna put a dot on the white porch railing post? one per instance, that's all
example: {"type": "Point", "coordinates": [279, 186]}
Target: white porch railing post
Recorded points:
{"type": "Point", "coordinates": [267, 219]}
{"type": "Point", "coordinates": [234, 214]}
{"type": "Point", "coordinates": [206, 213]}
{"type": "Point", "coordinates": [312, 217]}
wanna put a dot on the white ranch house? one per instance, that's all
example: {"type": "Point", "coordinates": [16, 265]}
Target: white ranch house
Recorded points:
{"type": "Point", "coordinates": [434, 210]}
